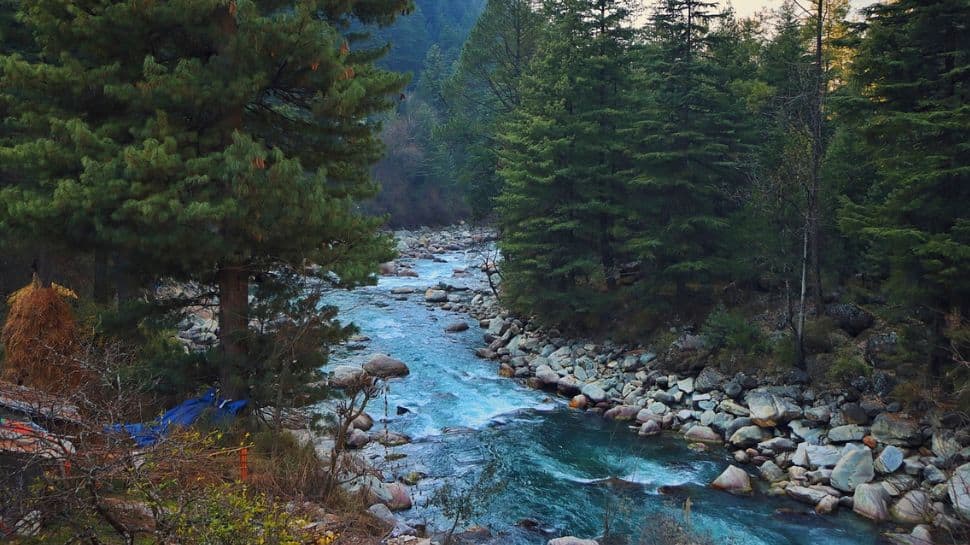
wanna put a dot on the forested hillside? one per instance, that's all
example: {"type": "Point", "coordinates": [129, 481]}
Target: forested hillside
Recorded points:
{"type": "Point", "coordinates": [806, 163]}
{"type": "Point", "coordinates": [418, 183]}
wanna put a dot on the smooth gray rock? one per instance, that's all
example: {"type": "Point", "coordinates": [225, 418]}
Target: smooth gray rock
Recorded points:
{"type": "Point", "coordinates": [384, 366]}
{"type": "Point", "coordinates": [871, 501]}
{"type": "Point", "coordinates": [703, 434]}
{"type": "Point", "coordinates": [854, 468]}
{"type": "Point", "coordinates": [847, 433]}
{"type": "Point", "coordinates": [915, 507]}
{"type": "Point", "coordinates": [958, 489]}
{"type": "Point", "coordinates": [733, 480]}
{"type": "Point", "coordinates": [771, 472]}
{"type": "Point", "coordinates": [747, 436]}
{"type": "Point", "coordinates": [593, 392]}
{"type": "Point", "coordinates": [889, 460]}
{"type": "Point", "coordinates": [345, 376]}
{"type": "Point", "coordinates": [894, 429]}
{"type": "Point", "coordinates": [768, 410]}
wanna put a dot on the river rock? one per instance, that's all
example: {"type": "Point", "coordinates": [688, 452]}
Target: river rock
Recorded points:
{"type": "Point", "coordinates": [546, 376]}
{"type": "Point", "coordinates": [808, 434]}
{"type": "Point", "coordinates": [457, 327]}
{"type": "Point", "coordinates": [958, 489]}
{"type": "Point", "coordinates": [827, 505]}
{"type": "Point", "coordinates": [658, 407]}
{"type": "Point", "coordinates": [731, 406]}
{"type": "Point", "coordinates": [914, 507]}
{"type": "Point", "coordinates": [805, 494]}
{"type": "Point", "coordinates": [578, 402]}
{"type": "Point", "coordinates": [568, 386]}
{"type": "Point", "coordinates": [570, 540]}
{"type": "Point", "coordinates": [345, 376]}
{"type": "Point", "coordinates": [747, 436]}
{"type": "Point", "coordinates": [436, 296]}
{"type": "Point", "coordinates": [686, 385]}
{"type": "Point", "coordinates": [703, 434]}
{"type": "Point", "coordinates": [734, 480]}
{"type": "Point", "coordinates": [400, 497]}
{"type": "Point", "coordinates": [871, 501]}
{"type": "Point", "coordinates": [709, 379]}
{"type": "Point", "coordinates": [768, 410]}
{"type": "Point", "coordinates": [889, 460]}
{"type": "Point", "coordinates": [622, 413]}
{"type": "Point", "coordinates": [649, 428]}
{"type": "Point", "coordinates": [771, 472]}
{"type": "Point", "coordinates": [854, 468]}
{"type": "Point", "coordinates": [364, 422]}
{"type": "Point", "coordinates": [777, 445]}
{"type": "Point", "coordinates": [384, 366]}
{"type": "Point", "coordinates": [894, 429]}
{"type": "Point", "coordinates": [390, 438]}
{"type": "Point", "coordinates": [944, 445]}
{"type": "Point", "coordinates": [593, 392]}
{"type": "Point", "coordinates": [853, 413]}
{"type": "Point", "coordinates": [847, 433]}
{"type": "Point", "coordinates": [357, 439]}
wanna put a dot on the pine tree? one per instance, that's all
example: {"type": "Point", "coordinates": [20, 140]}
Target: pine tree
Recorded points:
{"type": "Point", "coordinates": [210, 140]}
{"type": "Point", "coordinates": [693, 131]}
{"type": "Point", "coordinates": [484, 90]}
{"type": "Point", "coordinates": [566, 163]}
{"type": "Point", "coordinates": [912, 84]}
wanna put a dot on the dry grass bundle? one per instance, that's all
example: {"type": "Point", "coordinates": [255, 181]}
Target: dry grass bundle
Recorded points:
{"type": "Point", "coordinates": [38, 338]}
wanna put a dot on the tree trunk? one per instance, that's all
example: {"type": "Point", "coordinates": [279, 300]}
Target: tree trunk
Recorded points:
{"type": "Point", "coordinates": [233, 325]}
{"type": "Point", "coordinates": [818, 150]}
{"type": "Point", "coordinates": [800, 330]}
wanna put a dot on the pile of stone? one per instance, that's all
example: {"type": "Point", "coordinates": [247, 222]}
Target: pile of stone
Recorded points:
{"type": "Point", "coordinates": [830, 450]}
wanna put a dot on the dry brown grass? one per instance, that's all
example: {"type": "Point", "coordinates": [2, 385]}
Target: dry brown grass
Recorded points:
{"type": "Point", "coordinates": [39, 339]}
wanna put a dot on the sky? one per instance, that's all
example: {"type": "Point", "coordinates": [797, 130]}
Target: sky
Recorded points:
{"type": "Point", "coordinates": [745, 8]}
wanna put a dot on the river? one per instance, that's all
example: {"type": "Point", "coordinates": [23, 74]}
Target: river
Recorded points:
{"type": "Point", "coordinates": [567, 470]}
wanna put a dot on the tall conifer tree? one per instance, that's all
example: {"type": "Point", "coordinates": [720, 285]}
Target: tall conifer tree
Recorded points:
{"type": "Point", "coordinates": [566, 162]}
{"type": "Point", "coordinates": [203, 139]}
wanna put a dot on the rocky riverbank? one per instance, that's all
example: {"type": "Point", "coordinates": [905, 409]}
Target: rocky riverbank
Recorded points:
{"type": "Point", "coordinates": [831, 450]}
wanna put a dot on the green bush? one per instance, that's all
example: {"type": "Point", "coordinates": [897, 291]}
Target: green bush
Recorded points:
{"type": "Point", "coordinates": [725, 330]}
{"type": "Point", "coordinates": [848, 365]}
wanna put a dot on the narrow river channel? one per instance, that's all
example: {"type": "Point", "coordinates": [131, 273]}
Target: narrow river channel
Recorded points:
{"type": "Point", "coordinates": [566, 471]}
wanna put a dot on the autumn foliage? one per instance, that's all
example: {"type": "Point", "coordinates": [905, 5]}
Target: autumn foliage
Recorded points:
{"type": "Point", "coordinates": [38, 338]}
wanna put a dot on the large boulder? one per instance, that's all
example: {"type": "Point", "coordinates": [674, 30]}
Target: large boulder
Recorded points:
{"type": "Point", "coordinates": [805, 494]}
{"type": "Point", "coordinates": [400, 497]}
{"type": "Point", "coordinates": [709, 379]}
{"type": "Point", "coordinates": [384, 366]}
{"type": "Point", "coordinates": [345, 376]}
{"type": "Point", "coordinates": [769, 410]}
{"type": "Point", "coordinates": [747, 436]}
{"type": "Point", "coordinates": [734, 480]}
{"type": "Point", "coordinates": [436, 296]}
{"type": "Point", "coordinates": [854, 468]}
{"type": "Point", "coordinates": [915, 507]}
{"type": "Point", "coordinates": [959, 490]}
{"type": "Point", "coordinates": [894, 429]}
{"type": "Point", "coordinates": [847, 433]}
{"type": "Point", "coordinates": [457, 327]}
{"type": "Point", "coordinates": [871, 501]}
{"type": "Point", "coordinates": [703, 434]}
{"type": "Point", "coordinates": [851, 318]}
{"type": "Point", "coordinates": [546, 376]}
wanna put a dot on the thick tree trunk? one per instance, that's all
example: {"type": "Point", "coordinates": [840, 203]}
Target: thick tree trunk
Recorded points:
{"type": "Point", "coordinates": [818, 151]}
{"type": "Point", "coordinates": [233, 325]}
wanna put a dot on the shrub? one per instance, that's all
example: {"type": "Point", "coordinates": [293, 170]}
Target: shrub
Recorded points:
{"type": "Point", "coordinates": [732, 331]}
{"type": "Point", "coordinates": [38, 337]}
{"type": "Point", "coordinates": [848, 365]}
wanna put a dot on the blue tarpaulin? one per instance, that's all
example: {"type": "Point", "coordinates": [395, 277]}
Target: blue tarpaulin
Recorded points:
{"type": "Point", "coordinates": [183, 415]}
